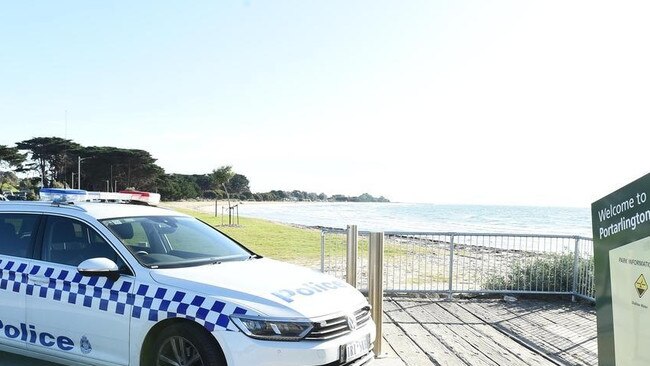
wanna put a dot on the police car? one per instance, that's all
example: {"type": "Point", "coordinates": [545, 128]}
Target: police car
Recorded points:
{"type": "Point", "coordinates": [120, 284]}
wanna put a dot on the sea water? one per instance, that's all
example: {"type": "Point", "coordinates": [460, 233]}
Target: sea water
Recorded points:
{"type": "Point", "coordinates": [428, 217]}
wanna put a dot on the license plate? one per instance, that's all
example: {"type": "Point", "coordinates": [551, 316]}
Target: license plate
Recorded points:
{"type": "Point", "coordinates": [358, 348]}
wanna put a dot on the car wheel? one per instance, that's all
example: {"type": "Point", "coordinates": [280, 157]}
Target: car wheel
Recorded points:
{"type": "Point", "coordinates": [185, 345]}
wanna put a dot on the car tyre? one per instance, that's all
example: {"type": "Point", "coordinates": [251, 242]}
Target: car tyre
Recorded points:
{"type": "Point", "coordinates": [186, 345]}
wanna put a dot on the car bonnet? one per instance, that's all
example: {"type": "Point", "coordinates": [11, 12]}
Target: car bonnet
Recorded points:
{"type": "Point", "coordinates": [267, 287]}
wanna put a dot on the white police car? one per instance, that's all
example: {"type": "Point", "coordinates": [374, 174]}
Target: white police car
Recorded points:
{"type": "Point", "coordinates": [119, 284]}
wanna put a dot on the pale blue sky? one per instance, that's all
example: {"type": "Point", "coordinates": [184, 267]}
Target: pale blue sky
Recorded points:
{"type": "Point", "coordinates": [505, 102]}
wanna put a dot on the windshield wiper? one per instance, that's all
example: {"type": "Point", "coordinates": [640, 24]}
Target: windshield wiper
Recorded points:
{"type": "Point", "coordinates": [200, 261]}
{"type": "Point", "coordinates": [218, 260]}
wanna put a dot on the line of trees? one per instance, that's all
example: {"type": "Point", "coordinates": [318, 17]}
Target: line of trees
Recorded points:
{"type": "Point", "coordinates": [55, 161]}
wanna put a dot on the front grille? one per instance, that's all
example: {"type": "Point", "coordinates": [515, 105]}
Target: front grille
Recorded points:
{"type": "Point", "coordinates": [336, 327]}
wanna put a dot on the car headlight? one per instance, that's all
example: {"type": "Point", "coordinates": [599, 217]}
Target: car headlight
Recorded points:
{"type": "Point", "coordinates": [272, 329]}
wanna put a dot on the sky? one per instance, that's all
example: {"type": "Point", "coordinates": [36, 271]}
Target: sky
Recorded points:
{"type": "Point", "coordinates": [468, 102]}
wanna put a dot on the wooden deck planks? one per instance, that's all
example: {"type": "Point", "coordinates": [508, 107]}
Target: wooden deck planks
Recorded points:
{"type": "Point", "coordinates": [490, 332]}
{"type": "Point", "coordinates": [527, 325]}
{"type": "Point", "coordinates": [571, 321]}
{"type": "Point", "coordinates": [485, 349]}
{"type": "Point", "coordinates": [573, 342]}
{"type": "Point", "coordinates": [528, 334]}
{"type": "Point", "coordinates": [437, 352]}
{"type": "Point", "coordinates": [528, 356]}
{"type": "Point", "coordinates": [405, 348]}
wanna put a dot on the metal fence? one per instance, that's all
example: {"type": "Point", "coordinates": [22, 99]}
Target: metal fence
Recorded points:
{"type": "Point", "coordinates": [452, 263]}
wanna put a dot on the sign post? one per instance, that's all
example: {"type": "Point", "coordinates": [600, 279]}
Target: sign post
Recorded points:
{"type": "Point", "coordinates": [621, 232]}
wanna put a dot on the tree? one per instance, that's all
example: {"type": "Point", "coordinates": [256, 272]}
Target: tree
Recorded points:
{"type": "Point", "coordinates": [298, 195]}
{"type": "Point", "coordinates": [11, 157]}
{"type": "Point", "coordinates": [174, 187]}
{"type": "Point", "coordinates": [238, 184]}
{"type": "Point", "coordinates": [129, 167]}
{"type": "Point", "coordinates": [49, 156]}
{"type": "Point", "coordinates": [280, 195]}
{"type": "Point", "coordinates": [268, 196]}
{"type": "Point", "coordinates": [211, 195]}
{"type": "Point", "coordinates": [339, 198]}
{"type": "Point", "coordinates": [220, 178]}
{"type": "Point", "coordinates": [203, 181]}
{"type": "Point", "coordinates": [366, 198]}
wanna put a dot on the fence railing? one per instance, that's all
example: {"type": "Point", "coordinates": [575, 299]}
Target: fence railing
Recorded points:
{"type": "Point", "coordinates": [452, 263]}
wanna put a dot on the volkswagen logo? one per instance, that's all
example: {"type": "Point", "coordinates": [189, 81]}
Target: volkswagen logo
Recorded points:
{"type": "Point", "coordinates": [352, 322]}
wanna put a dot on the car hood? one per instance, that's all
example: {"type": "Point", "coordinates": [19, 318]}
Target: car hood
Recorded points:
{"type": "Point", "coordinates": [267, 287]}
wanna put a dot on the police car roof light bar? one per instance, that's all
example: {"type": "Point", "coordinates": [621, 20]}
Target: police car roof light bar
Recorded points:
{"type": "Point", "coordinates": [60, 196]}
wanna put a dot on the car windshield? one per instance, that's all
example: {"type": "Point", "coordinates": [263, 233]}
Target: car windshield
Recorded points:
{"type": "Point", "coordinates": [170, 241]}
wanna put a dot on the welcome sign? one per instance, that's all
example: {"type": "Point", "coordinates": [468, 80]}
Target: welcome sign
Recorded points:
{"type": "Point", "coordinates": [621, 232]}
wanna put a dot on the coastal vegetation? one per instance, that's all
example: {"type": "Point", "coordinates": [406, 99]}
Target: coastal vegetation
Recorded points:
{"type": "Point", "coordinates": [550, 272]}
{"type": "Point", "coordinates": [55, 161]}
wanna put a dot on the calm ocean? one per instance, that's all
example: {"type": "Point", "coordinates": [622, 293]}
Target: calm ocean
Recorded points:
{"type": "Point", "coordinates": [428, 217]}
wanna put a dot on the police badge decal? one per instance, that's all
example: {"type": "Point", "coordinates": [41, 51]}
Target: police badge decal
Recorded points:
{"type": "Point", "coordinates": [86, 348]}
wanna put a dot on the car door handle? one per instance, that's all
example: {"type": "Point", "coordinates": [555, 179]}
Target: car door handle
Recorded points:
{"type": "Point", "coordinates": [38, 280]}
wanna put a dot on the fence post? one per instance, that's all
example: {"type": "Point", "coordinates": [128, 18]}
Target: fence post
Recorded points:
{"type": "Point", "coordinates": [352, 250]}
{"type": "Point", "coordinates": [575, 269]}
{"type": "Point", "coordinates": [322, 251]}
{"type": "Point", "coordinates": [451, 268]}
{"type": "Point", "coordinates": [376, 284]}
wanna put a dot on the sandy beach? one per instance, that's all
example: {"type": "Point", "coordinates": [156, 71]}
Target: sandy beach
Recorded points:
{"type": "Point", "coordinates": [209, 206]}
{"type": "Point", "coordinates": [241, 207]}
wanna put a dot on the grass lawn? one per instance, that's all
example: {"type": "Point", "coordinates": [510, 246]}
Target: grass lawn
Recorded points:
{"type": "Point", "coordinates": [270, 239]}
{"type": "Point", "coordinates": [289, 243]}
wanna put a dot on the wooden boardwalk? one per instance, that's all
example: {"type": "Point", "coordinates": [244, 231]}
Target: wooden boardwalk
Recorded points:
{"type": "Point", "coordinates": [489, 332]}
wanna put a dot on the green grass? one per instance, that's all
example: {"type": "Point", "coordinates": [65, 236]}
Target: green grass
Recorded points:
{"type": "Point", "coordinates": [286, 242]}
{"type": "Point", "coordinates": [270, 239]}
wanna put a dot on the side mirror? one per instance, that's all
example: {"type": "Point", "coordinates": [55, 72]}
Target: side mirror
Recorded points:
{"type": "Point", "coordinates": [103, 267]}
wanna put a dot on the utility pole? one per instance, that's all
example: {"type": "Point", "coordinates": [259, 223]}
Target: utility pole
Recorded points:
{"type": "Point", "coordinates": [79, 160]}
{"type": "Point", "coordinates": [78, 172]}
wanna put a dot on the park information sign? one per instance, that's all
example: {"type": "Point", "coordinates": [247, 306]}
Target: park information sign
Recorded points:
{"type": "Point", "coordinates": [621, 230]}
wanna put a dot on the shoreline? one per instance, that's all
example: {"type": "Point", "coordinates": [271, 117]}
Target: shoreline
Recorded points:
{"type": "Point", "coordinates": [207, 207]}
{"type": "Point", "coordinates": [415, 260]}
{"type": "Point", "coordinates": [405, 217]}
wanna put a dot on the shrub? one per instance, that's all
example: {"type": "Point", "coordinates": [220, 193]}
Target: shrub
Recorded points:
{"type": "Point", "coordinates": [551, 272]}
